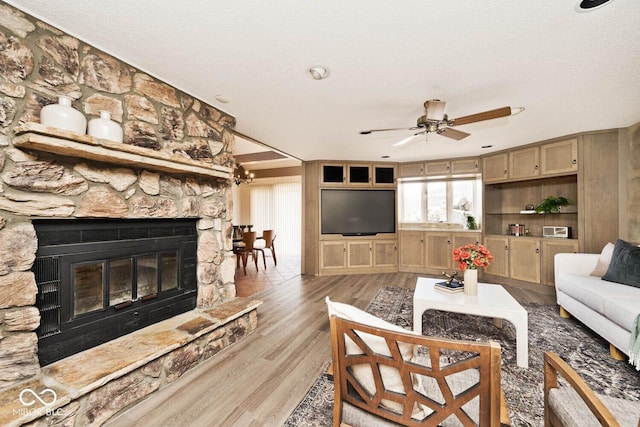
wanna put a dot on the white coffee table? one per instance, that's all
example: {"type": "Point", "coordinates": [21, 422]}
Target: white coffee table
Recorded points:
{"type": "Point", "coordinates": [491, 301]}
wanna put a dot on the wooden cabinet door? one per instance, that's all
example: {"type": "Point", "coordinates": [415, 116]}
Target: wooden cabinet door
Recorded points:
{"type": "Point", "coordinates": [437, 168]}
{"type": "Point", "coordinates": [359, 175]}
{"type": "Point", "coordinates": [499, 248]}
{"type": "Point", "coordinates": [409, 170]}
{"type": "Point", "coordinates": [559, 157]}
{"type": "Point", "coordinates": [384, 175]}
{"type": "Point", "coordinates": [332, 174]}
{"type": "Point", "coordinates": [551, 247]}
{"type": "Point", "coordinates": [524, 259]}
{"type": "Point", "coordinates": [438, 251]}
{"type": "Point", "coordinates": [385, 253]}
{"type": "Point", "coordinates": [333, 255]}
{"type": "Point", "coordinates": [359, 254]}
{"type": "Point", "coordinates": [412, 249]}
{"type": "Point", "coordinates": [495, 167]}
{"type": "Point", "coordinates": [524, 163]}
{"type": "Point", "coordinates": [465, 166]}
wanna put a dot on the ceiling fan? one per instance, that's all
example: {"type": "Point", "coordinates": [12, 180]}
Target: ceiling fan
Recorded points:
{"type": "Point", "coordinates": [435, 120]}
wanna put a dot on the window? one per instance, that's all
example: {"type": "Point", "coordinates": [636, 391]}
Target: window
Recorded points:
{"type": "Point", "coordinates": [440, 200]}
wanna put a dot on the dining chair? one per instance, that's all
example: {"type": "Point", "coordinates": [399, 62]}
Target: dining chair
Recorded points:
{"type": "Point", "coordinates": [243, 252]}
{"type": "Point", "coordinates": [268, 236]}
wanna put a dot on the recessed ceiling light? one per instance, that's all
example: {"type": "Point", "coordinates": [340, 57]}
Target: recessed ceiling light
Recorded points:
{"type": "Point", "coordinates": [587, 5]}
{"type": "Point", "coordinates": [318, 72]}
{"type": "Point", "coordinates": [223, 99]}
{"type": "Point", "coordinates": [385, 157]}
{"type": "Point", "coordinates": [486, 146]}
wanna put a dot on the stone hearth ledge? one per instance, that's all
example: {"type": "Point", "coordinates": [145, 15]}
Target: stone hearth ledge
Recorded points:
{"type": "Point", "coordinates": [82, 373]}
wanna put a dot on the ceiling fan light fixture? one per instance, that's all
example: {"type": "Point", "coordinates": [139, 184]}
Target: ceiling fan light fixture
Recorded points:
{"type": "Point", "coordinates": [516, 110]}
{"type": "Point", "coordinates": [434, 109]}
{"type": "Point", "coordinates": [318, 72]}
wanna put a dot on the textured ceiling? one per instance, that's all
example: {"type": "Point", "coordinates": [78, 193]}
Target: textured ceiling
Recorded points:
{"type": "Point", "coordinates": [573, 71]}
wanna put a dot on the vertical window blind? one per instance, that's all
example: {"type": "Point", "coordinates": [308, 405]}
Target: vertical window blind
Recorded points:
{"type": "Point", "coordinates": [278, 206]}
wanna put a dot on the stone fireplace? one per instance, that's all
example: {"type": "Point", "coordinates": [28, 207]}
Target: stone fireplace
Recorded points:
{"type": "Point", "coordinates": [147, 220]}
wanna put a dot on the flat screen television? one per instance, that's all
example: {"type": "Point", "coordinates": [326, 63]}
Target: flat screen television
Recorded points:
{"type": "Point", "coordinates": [357, 212]}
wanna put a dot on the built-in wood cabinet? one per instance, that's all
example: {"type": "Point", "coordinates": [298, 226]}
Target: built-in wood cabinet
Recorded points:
{"type": "Point", "coordinates": [346, 256]}
{"type": "Point", "coordinates": [357, 175]}
{"type": "Point", "coordinates": [525, 259]}
{"type": "Point", "coordinates": [440, 167]}
{"type": "Point", "coordinates": [559, 157]}
{"type": "Point", "coordinates": [553, 158]}
{"type": "Point", "coordinates": [431, 252]}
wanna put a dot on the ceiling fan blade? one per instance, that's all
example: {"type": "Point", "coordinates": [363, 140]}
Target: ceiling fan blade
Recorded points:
{"type": "Point", "coordinates": [367, 132]}
{"type": "Point", "coordinates": [407, 139]}
{"type": "Point", "coordinates": [434, 109]}
{"type": "Point", "coordinates": [478, 117]}
{"type": "Point", "coordinates": [453, 133]}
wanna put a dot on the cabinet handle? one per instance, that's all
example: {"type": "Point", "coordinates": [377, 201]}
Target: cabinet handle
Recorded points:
{"type": "Point", "coordinates": [574, 161]}
{"type": "Point", "coordinates": [537, 250]}
{"type": "Point", "coordinates": [506, 248]}
{"type": "Point", "coordinates": [505, 171]}
{"type": "Point", "coordinates": [536, 168]}
{"type": "Point", "coordinates": [421, 242]}
{"type": "Point", "coordinates": [448, 242]}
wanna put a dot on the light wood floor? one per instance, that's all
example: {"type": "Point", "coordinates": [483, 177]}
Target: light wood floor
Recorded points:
{"type": "Point", "coordinates": [260, 380]}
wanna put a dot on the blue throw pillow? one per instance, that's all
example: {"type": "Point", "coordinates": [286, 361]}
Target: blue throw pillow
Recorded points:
{"type": "Point", "coordinates": [625, 264]}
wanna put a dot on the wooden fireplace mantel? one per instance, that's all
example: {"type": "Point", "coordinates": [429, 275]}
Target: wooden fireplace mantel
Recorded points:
{"type": "Point", "coordinates": [35, 136]}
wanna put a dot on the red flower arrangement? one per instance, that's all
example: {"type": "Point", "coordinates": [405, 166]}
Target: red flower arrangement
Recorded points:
{"type": "Point", "coordinates": [472, 256]}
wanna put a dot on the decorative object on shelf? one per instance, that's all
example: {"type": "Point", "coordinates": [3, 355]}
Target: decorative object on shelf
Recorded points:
{"type": "Point", "coordinates": [557, 232]}
{"type": "Point", "coordinates": [471, 222]}
{"type": "Point", "coordinates": [530, 207]}
{"type": "Point", "coordinates": [105, 128]}
{"type": "Point", "coordinates": [553, 204]}
{"type": "Point", "coordinates": [471, 257]}
{"type": "Point", "coordinates": [63, 116]}
{"type": "Point", "coordinates": [243, 176]}
{"type": "Point", "coordinates": [517, 229]}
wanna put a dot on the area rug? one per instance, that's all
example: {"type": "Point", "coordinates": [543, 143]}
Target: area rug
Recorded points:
{"type": "Point", "coordinates": [585, 351]}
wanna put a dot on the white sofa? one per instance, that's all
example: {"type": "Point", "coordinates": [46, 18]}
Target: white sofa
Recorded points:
{"type": "Point", "coordinates": [607, 308]}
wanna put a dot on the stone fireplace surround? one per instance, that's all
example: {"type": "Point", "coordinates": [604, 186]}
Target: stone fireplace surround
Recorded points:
{"type": "Point", "coordinates": [175, 162]}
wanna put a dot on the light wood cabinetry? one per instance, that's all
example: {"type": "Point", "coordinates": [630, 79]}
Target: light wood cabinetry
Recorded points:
{"type": "Point", "coordinates": [347, 256]}
{"type": "Point", "coordinates": [499, 248]}
{"type": "Point", "coordinates": [559, 157]}
{"type": "Point", "coordinates": [333, 255]}
{"type": "Point", "coordinates": [385, 253]}
{"type": "Point", "coordinates": [524, 259]}
{"type": "Point", "coordinates": [411, 250]}
{"type": "Point", "coordinates": [553, 158]}
{"type": "Point", "coordinates": [430, 252]}
{"type": "Point", "coordinates": [440, 167]}
{"type": "Point", "coordinates": [551, 247]}
{"type": "Point", "coordinates": [524, 163]}
{"type": "Point", "coordinates": [357, 175]}
{"type": "Point", "coordinates": [495, 167]}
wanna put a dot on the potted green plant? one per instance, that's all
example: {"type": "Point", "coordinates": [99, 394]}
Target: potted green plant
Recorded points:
{"type": "Point", "coordinates": [552, 204]}
{"type": "Point", "coordinates": [471, 223]}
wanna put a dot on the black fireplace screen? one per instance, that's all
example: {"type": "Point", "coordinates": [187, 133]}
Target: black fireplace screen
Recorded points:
{"type": "Point", "coordinates": [100, 279]}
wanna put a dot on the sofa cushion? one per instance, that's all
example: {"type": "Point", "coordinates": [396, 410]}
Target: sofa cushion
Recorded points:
{"type": "Point", "coordinates": [572, 410]}
{"type": "Point", "coordinates": [623, 310]}
{"type": "Point", "coordinates": [596, 293]}
{"type": "Point", "coordinates": [625, 264]}
{"type": "Point", "coordinates": [604, 260]}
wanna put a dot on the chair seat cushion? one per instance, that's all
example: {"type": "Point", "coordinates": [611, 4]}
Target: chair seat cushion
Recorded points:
{"type": "Point", "coordinates": [572, 411]}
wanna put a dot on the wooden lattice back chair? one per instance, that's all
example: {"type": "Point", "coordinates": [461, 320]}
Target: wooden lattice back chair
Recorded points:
{"type": "Point", "coordinates": [575, 404]}
{"type": "Point", "coordinates": [413, 380]}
